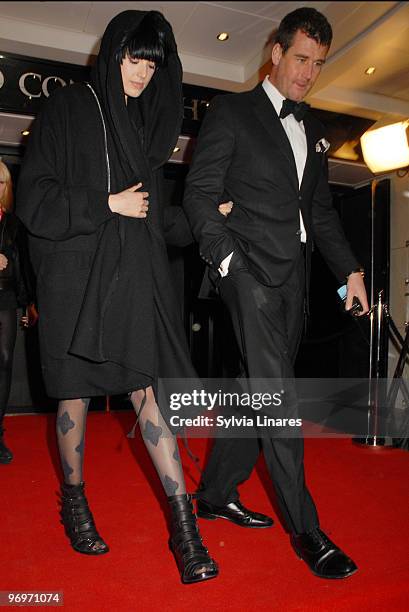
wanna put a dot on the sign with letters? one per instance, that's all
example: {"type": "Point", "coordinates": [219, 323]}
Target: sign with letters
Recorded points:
{"type": "Point", "coordinates": [26, 82]}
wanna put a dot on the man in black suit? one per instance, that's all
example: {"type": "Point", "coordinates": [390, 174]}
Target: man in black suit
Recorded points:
{"type": "Point", "coordinates": [263, 151]}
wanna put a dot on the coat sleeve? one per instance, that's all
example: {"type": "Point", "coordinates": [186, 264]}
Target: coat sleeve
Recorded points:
{"type": "Point", "coordinates": [177, 230]}
{"type": "Point", "coordinates": [327, 230]}
{"type": "Point", "coordinates": [205, 183]}
{"type": "Point", "coordinates": [45, 203]}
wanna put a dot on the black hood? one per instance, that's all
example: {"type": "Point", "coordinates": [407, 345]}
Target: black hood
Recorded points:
{"type": "Point", "coordinates": [160, 105]}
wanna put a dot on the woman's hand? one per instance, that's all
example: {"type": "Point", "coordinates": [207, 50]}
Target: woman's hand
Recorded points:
{"type": "Point", "coordinates": [130, 203]}
{"type": "Point", "coordinates": [31, 316]}
{"type": "Point", "coordinates": [3, 261]}
{"type": "Point", "coordinates": [225, 208]}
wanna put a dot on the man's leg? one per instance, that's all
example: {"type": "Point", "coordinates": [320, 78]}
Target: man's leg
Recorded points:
{"type": "Point", "coordinates": [231, 459]}
{"type": "Point", "coordinates": [267, 323]}
{"type": "Point", "coordinates": [231, 462]}
{"type": "Point", "coordinates": [269, 345]}
{"type": "Point", "coordinates": [285, 456]}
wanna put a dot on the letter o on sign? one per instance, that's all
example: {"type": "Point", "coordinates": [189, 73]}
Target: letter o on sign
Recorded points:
{"type": "Point", "coordinates": [1, 79]}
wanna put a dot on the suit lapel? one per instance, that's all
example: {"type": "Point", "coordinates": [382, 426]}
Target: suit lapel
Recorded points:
{"type": "Point", "coordinates": [266, 113]}
{"type": "Point", "coordinates": [314, 159]}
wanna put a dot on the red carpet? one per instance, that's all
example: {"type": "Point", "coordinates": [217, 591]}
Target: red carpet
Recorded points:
{"type": "Point", "coordinates": [362, 496]}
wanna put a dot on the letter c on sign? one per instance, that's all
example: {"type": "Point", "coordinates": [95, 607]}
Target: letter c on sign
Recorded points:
{"type": "Point", "coordinates": [22, 84]}
{"type": "Point", "coordinates": [47, 80]}
{"type": "Point", "coordinates": [1, 79]}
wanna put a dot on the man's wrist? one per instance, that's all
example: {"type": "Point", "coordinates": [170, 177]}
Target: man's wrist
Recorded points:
{"type": "Point", "coordinates": [361, 271]}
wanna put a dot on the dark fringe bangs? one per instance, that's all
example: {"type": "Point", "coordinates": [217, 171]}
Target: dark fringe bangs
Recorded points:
{"type": "Point", "coordinates": [145, 43]}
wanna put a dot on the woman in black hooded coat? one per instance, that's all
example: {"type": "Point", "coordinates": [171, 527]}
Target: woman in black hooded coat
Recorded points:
{"type": "Point", "coordinates": [89, 195]}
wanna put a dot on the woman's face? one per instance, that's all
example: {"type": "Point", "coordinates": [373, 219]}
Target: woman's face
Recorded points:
{"type": "Point", "coordinates": [136, 75]}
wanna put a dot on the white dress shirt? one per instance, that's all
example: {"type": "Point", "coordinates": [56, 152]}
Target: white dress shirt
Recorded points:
{"type": "Point", "coordinates": [296, 135]}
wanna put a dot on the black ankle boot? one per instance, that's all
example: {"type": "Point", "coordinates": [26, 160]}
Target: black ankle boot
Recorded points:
{"type": "Point", "coordinates": [79, 522]}
{"type": "Point", "coordinates": [6, 456]}
{"type": "Point", "coordinates": [192, 557]}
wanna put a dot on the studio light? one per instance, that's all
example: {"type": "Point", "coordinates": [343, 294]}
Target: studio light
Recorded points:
{"type": "Point", "coordinates": [386, 148]}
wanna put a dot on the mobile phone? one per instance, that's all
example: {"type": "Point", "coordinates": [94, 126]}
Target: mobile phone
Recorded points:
{"type": "Point", "coordinates": [356, 304]}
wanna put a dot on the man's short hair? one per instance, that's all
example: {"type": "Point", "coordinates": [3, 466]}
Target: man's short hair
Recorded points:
{"type": "Point", "coordinates": [310, 21]}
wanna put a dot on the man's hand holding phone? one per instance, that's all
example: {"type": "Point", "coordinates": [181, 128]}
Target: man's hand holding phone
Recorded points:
{"type": "Point", "coordinates": [353, 294]}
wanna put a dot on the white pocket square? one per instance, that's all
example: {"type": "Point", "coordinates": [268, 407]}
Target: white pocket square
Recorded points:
{"type": "Point", "coordinates": [322, 146]}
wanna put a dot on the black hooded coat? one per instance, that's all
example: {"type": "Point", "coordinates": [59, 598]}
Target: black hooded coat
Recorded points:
{"type": "Point", "coordinates": [109, 318]}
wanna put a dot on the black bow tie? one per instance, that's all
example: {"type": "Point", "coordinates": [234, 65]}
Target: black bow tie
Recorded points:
{"type": "Point", "coordinates": [298, 109]}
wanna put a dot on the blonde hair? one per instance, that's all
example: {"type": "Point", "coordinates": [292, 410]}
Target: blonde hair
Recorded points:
{"type": "Point", "coordinates": [6, 200]}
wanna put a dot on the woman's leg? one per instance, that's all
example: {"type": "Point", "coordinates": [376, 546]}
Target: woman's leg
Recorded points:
{"type": "Point", "coordinates": [8, 329]}
{"type": "Point", "coordinates": [192, 557]}
{"type": "Point", "coordinates": [75, 513]}
{"type": "Point", "coordinates": [160, 442]}
{"type": "Point", "coordinates": [71, 421]}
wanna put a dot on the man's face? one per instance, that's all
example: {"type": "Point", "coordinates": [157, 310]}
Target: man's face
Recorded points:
{"type": "Point", "coordinates": [136, 75]}
{"type": "Point", "coordinates": [295, 72]}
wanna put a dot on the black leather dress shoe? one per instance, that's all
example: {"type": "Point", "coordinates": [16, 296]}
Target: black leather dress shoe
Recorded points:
{"type": "Point", "coordinates": [234, 512]}
{"type": "Point", "coordinates": [322, 556]}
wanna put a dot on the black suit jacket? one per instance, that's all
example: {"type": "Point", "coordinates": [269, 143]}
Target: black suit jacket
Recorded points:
{"type": "Point", "coordinates": [243, 154]}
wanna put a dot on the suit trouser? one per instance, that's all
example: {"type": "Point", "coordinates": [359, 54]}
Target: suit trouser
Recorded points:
{"type": "Point", "coordinates": [268, 323]}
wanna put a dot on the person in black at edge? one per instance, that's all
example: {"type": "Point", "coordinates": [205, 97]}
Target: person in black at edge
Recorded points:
{"type": "Point", "coordinates": [109, 319]}
{"type": "Point", "coordinates": [15, 291]}
{"type": "Point", "coordinates": [260, 259]}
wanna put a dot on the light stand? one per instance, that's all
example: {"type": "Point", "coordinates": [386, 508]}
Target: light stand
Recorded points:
{"type": "Point", "coordinates": [385, 148]}
{"type": "Point", "coordinates": [379, 325]}
{"type": "Point", "coordinates": [378, 329]}
{"type": "Point", "coordinates": [380, 399]}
